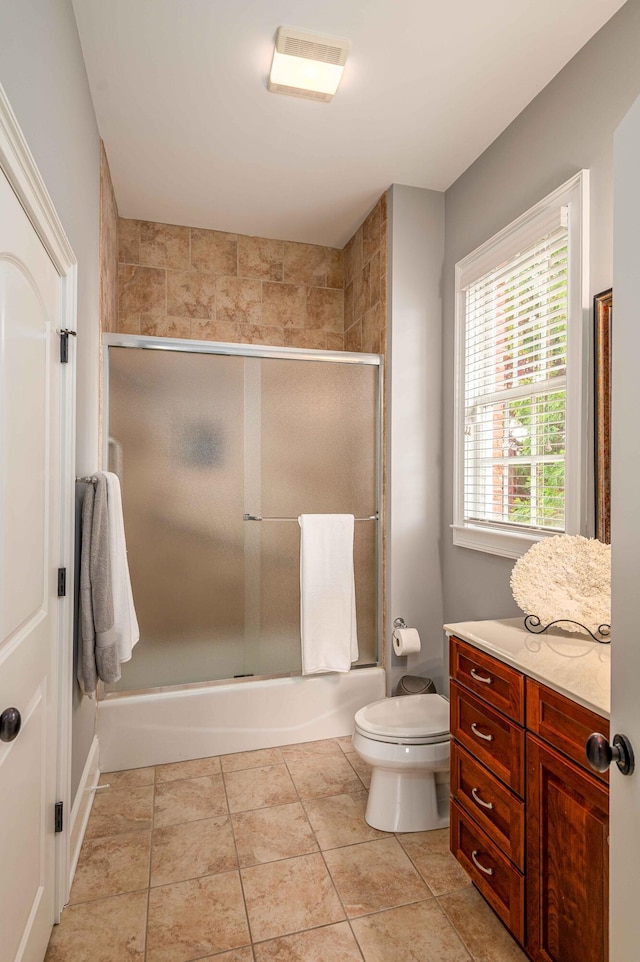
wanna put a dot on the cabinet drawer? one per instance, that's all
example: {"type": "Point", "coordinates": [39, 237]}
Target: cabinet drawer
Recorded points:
{"type": "Point", "coordinates": [495, 682]}
{"type": "Point", "coordinates": [563, 723]}
{"type": "Point", "coordinates": [496, 810]}
{"type": "Point", "coordinates": [497, 742]}
{"type": "Point", "coordinates": [499, 881]}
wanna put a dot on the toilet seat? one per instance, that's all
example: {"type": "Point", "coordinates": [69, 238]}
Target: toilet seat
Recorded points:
{"type": "Point", "coordinates": [407, 720]}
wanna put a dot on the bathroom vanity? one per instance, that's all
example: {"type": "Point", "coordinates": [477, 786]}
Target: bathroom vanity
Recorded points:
{"type": "Point", "coordinates": [529, 817]}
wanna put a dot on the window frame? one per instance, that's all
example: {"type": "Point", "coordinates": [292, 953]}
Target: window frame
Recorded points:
{"type": "Point", "coordinates": [506, 540]}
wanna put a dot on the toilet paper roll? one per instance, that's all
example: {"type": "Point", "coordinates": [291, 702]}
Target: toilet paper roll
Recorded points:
{"type": "Point", "coordinates": [406, 641]}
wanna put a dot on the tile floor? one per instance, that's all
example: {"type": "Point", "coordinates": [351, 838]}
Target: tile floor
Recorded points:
{"type": "Point", "coordinates": [265, 856]}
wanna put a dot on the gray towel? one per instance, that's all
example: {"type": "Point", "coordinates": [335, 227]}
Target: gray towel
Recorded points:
{"type": "Point", "coordinates": [97, 660]}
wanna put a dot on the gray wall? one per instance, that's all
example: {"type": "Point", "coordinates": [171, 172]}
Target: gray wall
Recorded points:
{"type": "Point", "coordinates": [414, 590]}
{"type": "Point", "coordinates": [43, 75]}
{"type": "Point", "coordinates": [569, 126]}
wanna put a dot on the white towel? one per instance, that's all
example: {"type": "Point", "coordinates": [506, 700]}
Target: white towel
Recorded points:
{"type": "Point", "coordinates": [125, 632]}
{"type": "Point", "coordinates": [327, 593]}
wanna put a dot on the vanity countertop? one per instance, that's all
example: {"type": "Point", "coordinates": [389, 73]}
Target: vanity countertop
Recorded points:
{"type": "Point", "coordinates": [568, 663]}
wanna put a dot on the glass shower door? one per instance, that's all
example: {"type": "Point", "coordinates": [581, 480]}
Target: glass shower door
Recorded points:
{"type": "Point", "coordinates": [201, 439]}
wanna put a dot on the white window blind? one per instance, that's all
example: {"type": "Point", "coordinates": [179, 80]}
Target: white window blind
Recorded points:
{"type": "Point", "coordinates": [515, 389]}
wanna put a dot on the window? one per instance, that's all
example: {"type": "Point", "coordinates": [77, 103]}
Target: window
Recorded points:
{"type": "Point", "coordinates": [520, 309]}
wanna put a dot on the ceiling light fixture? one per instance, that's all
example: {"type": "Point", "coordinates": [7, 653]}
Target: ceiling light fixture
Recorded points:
{"type": "Point", "coordinates": [307, 64]}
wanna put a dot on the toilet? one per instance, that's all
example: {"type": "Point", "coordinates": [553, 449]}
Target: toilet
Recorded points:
{"type": "Point", "coordinates": [406, 742]}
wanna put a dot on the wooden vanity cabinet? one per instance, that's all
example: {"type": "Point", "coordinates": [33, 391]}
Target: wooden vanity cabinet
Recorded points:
{"type": "Point", "coordinates": [529, 818]}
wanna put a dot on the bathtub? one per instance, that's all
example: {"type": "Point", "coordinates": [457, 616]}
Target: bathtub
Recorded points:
{"type": "Point", "coordinates": [171, 725]}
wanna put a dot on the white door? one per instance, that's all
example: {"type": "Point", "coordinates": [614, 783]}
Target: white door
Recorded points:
{"type": "Point", "coordinates": [31, 305]}
{"type": "Point", "coordinates": [625, 540]}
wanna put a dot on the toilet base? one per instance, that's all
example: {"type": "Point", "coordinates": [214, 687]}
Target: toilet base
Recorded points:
{"type": "Point", "coordinates": [405, 802]}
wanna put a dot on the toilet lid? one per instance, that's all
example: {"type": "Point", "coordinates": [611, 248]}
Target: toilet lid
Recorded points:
{"type": "Point", "coordinates": [410, 719]}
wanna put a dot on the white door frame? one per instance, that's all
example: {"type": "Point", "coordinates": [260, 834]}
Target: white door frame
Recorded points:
{"type": "Point", "coordinates": [19, 167]}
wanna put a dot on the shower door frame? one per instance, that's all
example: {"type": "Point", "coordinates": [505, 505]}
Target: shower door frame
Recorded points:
{"type": "Point", "coordinates": [184, 345]}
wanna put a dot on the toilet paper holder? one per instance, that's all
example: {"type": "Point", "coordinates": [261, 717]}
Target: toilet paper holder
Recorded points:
{"type": "Point", "coordinates": [399, 623]}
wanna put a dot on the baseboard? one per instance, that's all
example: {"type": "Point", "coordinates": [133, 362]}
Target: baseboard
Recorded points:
{"type": "Point", "coordinates": [82, 806]}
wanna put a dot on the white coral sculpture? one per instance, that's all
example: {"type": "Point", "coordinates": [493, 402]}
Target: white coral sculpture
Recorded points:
{"type": "Point", "coordinates": [565, 576]}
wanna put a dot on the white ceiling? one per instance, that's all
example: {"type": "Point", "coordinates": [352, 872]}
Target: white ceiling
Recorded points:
{"type": "Point", "coordinates": [194, 137]}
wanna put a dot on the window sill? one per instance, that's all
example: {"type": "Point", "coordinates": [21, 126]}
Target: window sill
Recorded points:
{"type": "Point", "coordinates": [506, 544]}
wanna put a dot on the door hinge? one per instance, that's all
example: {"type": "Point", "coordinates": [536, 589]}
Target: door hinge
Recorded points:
{"type": "Point", "coordinates": [58, 816]}
{"type": "Point", "coordinates": [64, 343]}
{"type": "Point", "coordinates": [62, 582]}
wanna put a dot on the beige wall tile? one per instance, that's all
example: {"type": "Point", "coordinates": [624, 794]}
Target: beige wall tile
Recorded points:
{"type": "Point", "coordinates": [260, 257]}
{"type": "Point", "coordinates": [335, 342]}
{"type": "Point", "coordinates": [283, 305]}
{"type": "Point", "coordinates": [353, 337]}
{"type": "Point", "coordinates": [128, 241]}
{"type": "Point", "coordinates": [164, 245]}
{"type": "Point", "coordinates": [371, 334]}
{"type": "Point", "coordinates": [108, 248]}
{"type": "Point", "coordinates": [152, 326]}
{"type": "Point", "coordinates": [214, 251]}
{"type": "Point", "coordinates": [238, 299]}
{"type": "Point", "coordinates": [190, 294]}
{"type": "Point", "coordinates": [306, 340]}
{"type": "Point", "coordinates": [373, 271]}
{"type": "Point", "coordinates": [371, 234]}
{"type": "Point", "coordinates": [349, 306]}
{"type": "Point", "coordinates": [306, 264]}
{"type": "Point", "coordinates": [325, 309]}
{"type": "Point", "coordinates": [179, 327]}
{"type": "Point", "coordinates": [129, 324]}
{"type": "Point", "coordinates": [208, 330]}
{"type": "Point", "coordinates": [270, 336]}
{"type": "Point", "coordinates": [141, 289]}
{"type": "Point", "coordinates": [360, 296]}
{"type": "Point", "coordinates": [335, 273]}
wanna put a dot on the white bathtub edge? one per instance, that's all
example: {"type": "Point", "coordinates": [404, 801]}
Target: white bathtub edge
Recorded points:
{"type": "Point", "coordinates": [81, 808]}
{"type": "Point", "coordinates": [158, 728]}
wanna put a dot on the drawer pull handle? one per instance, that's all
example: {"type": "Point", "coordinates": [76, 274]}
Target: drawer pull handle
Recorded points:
{"type": "Point", "coordinates": [485, 679]}
{"type": "Point", "coordinates": [479, 801]}
{"type": "Point", "coordinates": [479, 734]}
{"type": "Point", "coordinates": [487, 871]}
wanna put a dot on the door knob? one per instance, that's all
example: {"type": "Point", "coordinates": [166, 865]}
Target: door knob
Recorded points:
{"type": "Point", "coordinates": [600, 753]}
{"type": "Point", "coordinates": [10, 723]}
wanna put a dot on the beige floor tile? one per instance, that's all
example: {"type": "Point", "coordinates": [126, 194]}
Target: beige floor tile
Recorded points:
{"type": "Point", "coordinates": [107, 930]}
{"type": "Point", "coordinates": [236, 955]}
{"type": "Point", "coordinates": [319, 775]}
{"type": "Point", "coordinates": [190, 920]}
{"type": "Point", "coordinates": [258, 759]}
{"type": "Point", "coordinates": [112, 866]}
{"type": "Point", "coordinates": [192, 768]}
{"type": "Point", "coordinates": [189, 799]}
{"type": "Point", "coordinates": [333, 943]}
{"type": "Point", "coordinates": [429, 852]}
{"type": "Point", "coordinates": [374, 876]}
{"type": "Point", "coordinates": [259, 788]}
{"type": "Point", "coordinates": [131, 778]}
{"type": "Point", "coordinates": [345, 743]}
{"type": "Point", "coordinates": [408, 934]}
{"type": "Point", "coordinates": [116, 811]}
{"type": "Point", "coordinates": [186, 851]}
{"type": "Point", "coordinates": [268, 834]}
{"type": "Point", "coordinates": [360, 767]}
{"type": "Point", "coordinates": [325, 746]}
{"type": "Point", "coordinates": [339, 820]}
{"type": "Point", "coordinates": [289, 896]}
{"type": "Point", "coordinates": [479, 928]}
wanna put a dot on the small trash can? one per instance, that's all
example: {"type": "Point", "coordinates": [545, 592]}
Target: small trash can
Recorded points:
{"type": "Point", "coordinates": [415, 685]}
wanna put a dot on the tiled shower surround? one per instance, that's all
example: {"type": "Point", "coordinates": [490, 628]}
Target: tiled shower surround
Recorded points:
{"type": "Point", "coordinates": [210, 285]}
{"type": "Point", "coordinates": [265, 856]}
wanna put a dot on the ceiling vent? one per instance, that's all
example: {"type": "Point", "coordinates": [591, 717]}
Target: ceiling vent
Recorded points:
{"type": "Point", "coordinates": [307, 64]}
